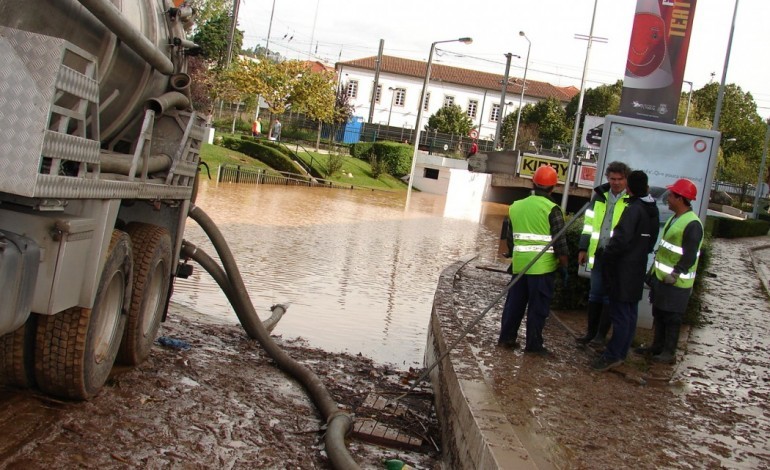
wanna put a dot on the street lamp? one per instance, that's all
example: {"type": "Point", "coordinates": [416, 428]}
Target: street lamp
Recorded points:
{"type": "Point", "coordinates": [420, 105]}
{"type": "Point", "coordinates": [523, 86]}
{"type": "Point", "coordinates": [392, 98]}
{"type": "Point", "coordinates": [689, 100]}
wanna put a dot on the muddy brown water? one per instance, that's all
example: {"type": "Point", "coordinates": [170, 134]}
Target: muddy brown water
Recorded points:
{"type": "Point", "coordinates": [358, 269]}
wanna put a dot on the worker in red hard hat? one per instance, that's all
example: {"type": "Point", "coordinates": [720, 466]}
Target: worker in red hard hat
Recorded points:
{"type": "Point", "coordinates": [674, 271]}
{"type": "Point", "coordinates": [535, 221]}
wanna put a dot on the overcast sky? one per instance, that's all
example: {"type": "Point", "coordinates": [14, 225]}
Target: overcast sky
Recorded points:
{"type": "Point", "coordinates": [333, 30]}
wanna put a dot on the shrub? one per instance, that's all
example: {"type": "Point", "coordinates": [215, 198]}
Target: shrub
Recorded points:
{"type": "Point", "coordinates": [395, 158]}
{"type": "Point", "coordinates": [574, 295]}
{"type": "Point", "coordinates": [732, 228]}
{"type": "Point", "coordinates": [266, 153]}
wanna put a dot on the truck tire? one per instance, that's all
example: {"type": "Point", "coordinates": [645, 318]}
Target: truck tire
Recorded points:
{"type": "Point", "coordinates": [17, 367]}
{"type": "Point", "coordinates": [75, 349]}
{"type": "Point", "coordinates": [152, 276]}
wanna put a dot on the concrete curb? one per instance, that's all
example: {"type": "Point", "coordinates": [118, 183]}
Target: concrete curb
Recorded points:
{"type": "Point", "coordinates": [475, 432]}
{"type": "Point", "coordinates": [763, 270]}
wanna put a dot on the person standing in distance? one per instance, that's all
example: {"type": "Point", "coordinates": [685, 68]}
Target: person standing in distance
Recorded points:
{"type": "Point", "coordinates": [625, 266]}
{"type": "Point", "coordinates": [674, 271]}
{"type": "Point", "coordinates": [275, 130]}
{"type": "Point", "coordinates": [607, 205]}
{"type": "Point", "coordinates": [535, 221]}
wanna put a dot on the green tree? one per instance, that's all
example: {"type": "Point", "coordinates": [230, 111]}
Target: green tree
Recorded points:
{"type": "Point", "coordinates": [550, 118]}
{"type": "Point", "coordinates": [742, 128]}
{"type": "Point", "coordinates": [205, 10]}
{"type": "Point", "coordinates": [451, 120]}
{"type": "Point", "coordinates": [214, 36]}
{"type": "Point", "coordinates": [599, 101]}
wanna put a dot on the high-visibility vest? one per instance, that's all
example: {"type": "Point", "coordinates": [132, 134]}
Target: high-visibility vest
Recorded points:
{"type": "Point", "coordinates": [592, 223]}
{"type": "Point", "coordinates": [670, 250]}
{"type": "Point", "coordinates": [531, 233]}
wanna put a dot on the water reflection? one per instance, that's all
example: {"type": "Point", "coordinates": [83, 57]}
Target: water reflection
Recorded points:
{"type": "Point", "coordinates": [358, 270]}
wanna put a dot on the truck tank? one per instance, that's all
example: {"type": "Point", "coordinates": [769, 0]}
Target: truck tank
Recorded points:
{"type": "Point", "coordinates": [99, 147]}
{"type": "Point", "coordinates": [126, 79]}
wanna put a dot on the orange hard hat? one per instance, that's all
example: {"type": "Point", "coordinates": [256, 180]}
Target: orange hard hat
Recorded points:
{"type": "Point", "coordinates": [545, 176]}
{"type": "Point", "coordinates": [684, 188]}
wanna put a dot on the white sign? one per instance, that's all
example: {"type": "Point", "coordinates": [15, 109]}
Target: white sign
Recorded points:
{"type": "Point", "coordinates": [592, 132]}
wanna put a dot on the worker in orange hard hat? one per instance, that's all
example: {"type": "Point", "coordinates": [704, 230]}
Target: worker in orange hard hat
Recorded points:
{"type": "Point", "coordinates": [535, 221]}
{"type": "Point", "coordinates": [674, 271]}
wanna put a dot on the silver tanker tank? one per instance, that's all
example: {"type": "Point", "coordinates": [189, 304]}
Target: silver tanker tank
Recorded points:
{"type": "Point", "coordinates": [139, 46]}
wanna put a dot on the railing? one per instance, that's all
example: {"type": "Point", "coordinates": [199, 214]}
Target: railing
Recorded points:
{"type": "Point", "coordinates": [236, 174]}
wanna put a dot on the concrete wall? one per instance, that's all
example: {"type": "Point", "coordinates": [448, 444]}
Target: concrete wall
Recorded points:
{"type": "Point", "coordinates": [476, 434]}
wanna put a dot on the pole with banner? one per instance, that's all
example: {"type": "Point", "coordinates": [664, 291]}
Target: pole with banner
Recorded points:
{"type": "Point", "coordinates": [657, 55]}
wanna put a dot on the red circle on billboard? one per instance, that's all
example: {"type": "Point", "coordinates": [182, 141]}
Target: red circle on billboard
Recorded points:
{"type": "Point", "coordinates": [699, 145]}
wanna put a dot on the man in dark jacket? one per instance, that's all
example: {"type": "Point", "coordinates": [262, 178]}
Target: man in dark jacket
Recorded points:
{"type": "Point", "coordinates": [625, 265]}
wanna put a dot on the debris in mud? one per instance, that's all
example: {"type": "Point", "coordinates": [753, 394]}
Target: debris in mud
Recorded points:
{"type": "Point", "coordinates": [219, 404]}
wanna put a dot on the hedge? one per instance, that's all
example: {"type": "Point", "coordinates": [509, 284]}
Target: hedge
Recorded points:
{"type": "Point", "coordinates": [267, 154]}
{"type": "Point", "coordinates": [396, 157]}
{"type": "Point", "coordinates": [733, 228]}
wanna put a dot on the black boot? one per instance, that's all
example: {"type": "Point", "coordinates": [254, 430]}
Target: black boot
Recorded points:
{"type": "Point", "coordinates": [604, 327]}
{"type": "Point", "coordinates": [594, 314]}
{"type": "Point", "coordinates": [657, 342]}
{"type": "Point", "coordinates": [668, 355]}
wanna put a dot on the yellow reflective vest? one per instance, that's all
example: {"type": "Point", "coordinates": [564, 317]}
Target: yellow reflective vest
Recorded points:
{"type": "Point", "coordinates": [531, 233]}
{"type": "Point", "coordinates": [670, 250]}
{"type": "Point", "coordinates": [592, 224]}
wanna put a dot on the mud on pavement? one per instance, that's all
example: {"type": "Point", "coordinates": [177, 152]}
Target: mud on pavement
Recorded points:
{"type": "Point", "coordinates": [221, 403]}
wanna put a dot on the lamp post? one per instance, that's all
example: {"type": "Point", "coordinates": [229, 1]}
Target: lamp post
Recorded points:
{"type": "Point", "coordinates": [721, 92]}
{"type": "Point", "coordinates": [392, 97]}
{"type": "Point", "coordinates": [565, 193]}
{"type": "Point", "coordinates": [689, 100]}
{"type": "Point", "coordinates": [523, 86]}
{"type": "Point", "coordinates": [420, 105]}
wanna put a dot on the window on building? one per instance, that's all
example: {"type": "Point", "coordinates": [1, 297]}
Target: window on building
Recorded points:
{"type": "Point", "coordinates": [353, 88]}
{"type": "Point", "coordinates": [449, 100]}
{"type": "Point", "coordinates": [431, 173]}
{"type": "Point", "coordinates": [400, 98]}
{"type": "Point", "coordinates": [473, 105]}
{"type": "Point", "coordinates": [379, 94]}
{"type": "Point", "coordinates": [494, 115]}
{"type": "Point", "coordinates": [427, 101]}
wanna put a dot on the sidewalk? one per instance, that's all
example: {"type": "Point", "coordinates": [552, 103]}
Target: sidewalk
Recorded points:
{"type": "Point", "coordinates": [713, 412]}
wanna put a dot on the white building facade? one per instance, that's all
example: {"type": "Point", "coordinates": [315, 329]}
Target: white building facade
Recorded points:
{"type": "Point", "coordinates": [399, 85]}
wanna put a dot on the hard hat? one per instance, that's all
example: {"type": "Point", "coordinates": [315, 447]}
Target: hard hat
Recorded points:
{"type": "Point", "coordinates": [545, 176]}
{"type": "Point", "coordinates": [684, 188]}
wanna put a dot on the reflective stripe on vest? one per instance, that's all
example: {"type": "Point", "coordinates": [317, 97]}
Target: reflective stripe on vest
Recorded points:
{"type": "Point", "coordinates": [593, 222]}
{"type": "Point", "coordinates": [531, 233]}
{"type": "Point", "coordinates": [670, 250]}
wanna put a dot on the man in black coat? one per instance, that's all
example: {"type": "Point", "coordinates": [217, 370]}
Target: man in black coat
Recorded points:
{"type": "Point", "coordinates": [625, 265]}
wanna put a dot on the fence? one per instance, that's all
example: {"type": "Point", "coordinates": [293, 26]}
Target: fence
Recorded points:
{"type": "Point", "coordinates": [236, 174]}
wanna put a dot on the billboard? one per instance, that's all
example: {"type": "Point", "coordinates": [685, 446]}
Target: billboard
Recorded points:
{"type": "Point", "coordinates": [657, 55]}
{"type": "Point", "coordinates": [592, 132]}
{"type": "Point", "coordinates": [529, 163]}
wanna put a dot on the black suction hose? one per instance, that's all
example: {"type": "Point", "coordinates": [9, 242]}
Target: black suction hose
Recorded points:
{"type": "Point", "coordinates": [339, 423]}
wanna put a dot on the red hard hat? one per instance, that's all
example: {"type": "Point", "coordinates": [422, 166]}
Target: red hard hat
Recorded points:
{"type": "Point", "coordinates": [545, 176]}
{"type": "Point", "coordinates": [684, 188]}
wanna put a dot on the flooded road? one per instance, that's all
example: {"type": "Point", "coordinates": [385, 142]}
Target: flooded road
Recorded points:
{"type": "Point", "coordinates": [358, 270]}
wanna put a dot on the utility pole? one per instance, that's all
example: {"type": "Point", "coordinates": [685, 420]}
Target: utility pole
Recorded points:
{"type": "Point", "coordinates": [499, 127]}
{"type": "Point", "coordinates": [376, 80]}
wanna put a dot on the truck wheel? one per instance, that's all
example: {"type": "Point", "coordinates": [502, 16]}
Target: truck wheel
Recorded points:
{"type": "Point", "coordinates": [75, 349]}
{"type": "Point", "coordinates": [152, 276]}
{"type": "Point", "coordinates": [17, 367]}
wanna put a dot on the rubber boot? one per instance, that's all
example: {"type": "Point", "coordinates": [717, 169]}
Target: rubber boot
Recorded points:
{"type": "Point", "coordinates": [604, 327]}
{"type": "Point", "coordinates": [668, 355]}
{"type": "Point", "coordinates": [656, 347]}
{"type": "Point", "coordinates": [594, 314]}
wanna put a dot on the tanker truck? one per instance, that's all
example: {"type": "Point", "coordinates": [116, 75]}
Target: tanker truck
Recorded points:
{"type": "Point", "coordinates": [99, 149]}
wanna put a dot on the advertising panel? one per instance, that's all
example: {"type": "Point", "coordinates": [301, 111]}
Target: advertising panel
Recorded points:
{"type": "Point", "coordinates": [529, 163]}
{"type": "Point", "coordinates": [586, 174]}
{"type": "Point", "coordinates": [592, 132]}
{"type": "Point", "coordinates": [657, 55]}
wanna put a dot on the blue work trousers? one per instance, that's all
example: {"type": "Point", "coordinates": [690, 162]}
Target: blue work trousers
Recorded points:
{"type": "Point", "coordinates": [533, 294]}
{"type": "Point", "coordinates": [623, 316]}
{"type": "Point", "coordinates": [596, 292]}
